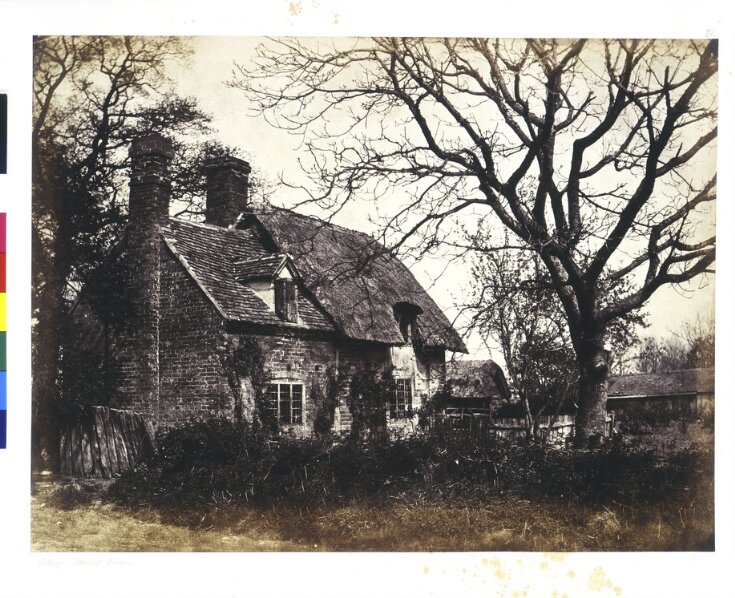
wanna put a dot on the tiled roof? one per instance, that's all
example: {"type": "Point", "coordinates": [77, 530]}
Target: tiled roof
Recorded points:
{"type": "Point", "coordinates": [258, 268]}
{"type": "Point", "coordinates": [479, 379]}
{"type": "Point", "coordinates": [355, 280]}
{"type": "Point", "coordinates": [680, 382]}
{"type": "Point", "coordinates": [210, 254]}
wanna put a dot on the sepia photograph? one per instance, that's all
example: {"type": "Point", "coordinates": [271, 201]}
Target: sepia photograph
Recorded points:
{"type": "Point", "coordinates": [336, 294]}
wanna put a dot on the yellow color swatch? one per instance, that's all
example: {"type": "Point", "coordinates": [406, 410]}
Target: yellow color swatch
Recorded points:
{"type": "Point", "coordinates": [2, 312]}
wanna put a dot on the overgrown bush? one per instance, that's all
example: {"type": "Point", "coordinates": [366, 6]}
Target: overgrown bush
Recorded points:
{"type": "Point", "coordinates": [326, 400]}
{"type": "Point", "coordinates": [72, 496]}
{"type": "Point", "coordinates": [214, 461]}
{"type": "Point", "coordinates": [369, 395]}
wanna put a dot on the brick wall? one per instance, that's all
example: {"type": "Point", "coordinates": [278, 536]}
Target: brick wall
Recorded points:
{"type": "Point", "coordinates": [192, 381]}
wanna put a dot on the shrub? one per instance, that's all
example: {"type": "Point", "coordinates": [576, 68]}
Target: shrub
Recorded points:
{"type": "Point", "coordinates": [326, 400]}
{"type": "Point", "coordinates": [72, 496]}
{"type": "Point", "coordinates": [207, 461]}
{"type": "Point", "coordinates": [369, 393]}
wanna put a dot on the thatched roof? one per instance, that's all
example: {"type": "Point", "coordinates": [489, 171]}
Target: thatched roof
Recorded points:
{"type": "Point", "coordinates": [662, 384]}
{"type": "Point", "coordinates": [356, 281]}
{"type": "Point", "coordinates": [349, 283]}
{"type": "Point", "coordinates": [479, 379]}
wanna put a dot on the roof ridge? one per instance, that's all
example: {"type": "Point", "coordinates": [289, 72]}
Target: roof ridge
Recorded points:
{"type": "Point", "coordinates": [205, 225]}
{"type": "Point", "coordinates": [326, 222]}
{"type": "Point", "coordinates": [269, 256]}
{"type": "Point", "coordinates": [664, 372]}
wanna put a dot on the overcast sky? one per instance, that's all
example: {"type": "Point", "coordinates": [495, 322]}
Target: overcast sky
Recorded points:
{"type": "Point", "coordinates": [273, 152]}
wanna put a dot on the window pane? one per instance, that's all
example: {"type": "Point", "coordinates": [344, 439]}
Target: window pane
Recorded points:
{"type": "Point", "coordinates": [297, 392]}
{"type": "Point", "coordinates": [273, 400]}
{"type": "Point", "coordinates": [285, 403]}
{"type": "Point", "coordinates": [285, 295]}
{"type": "Point", "coordinates": [402, 399]}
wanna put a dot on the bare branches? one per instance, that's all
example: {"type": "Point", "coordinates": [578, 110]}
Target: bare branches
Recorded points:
{"type": "Point", "coordinates": [596, 155]}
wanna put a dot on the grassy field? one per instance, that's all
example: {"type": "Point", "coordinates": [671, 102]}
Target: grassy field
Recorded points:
{"type": "Point", "coordinates": [66, 518]}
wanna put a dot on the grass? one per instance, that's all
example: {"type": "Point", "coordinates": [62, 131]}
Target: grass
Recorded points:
{"type": "Point", "coordinates": [87, 522]}
{"type": "Point", "coordinates": [214, 486]}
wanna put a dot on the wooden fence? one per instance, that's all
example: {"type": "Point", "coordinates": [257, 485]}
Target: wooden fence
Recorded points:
{"type": "Point", "coordinates": [460, 420]}
{"type": "Point", "coordinates": [102, 442]}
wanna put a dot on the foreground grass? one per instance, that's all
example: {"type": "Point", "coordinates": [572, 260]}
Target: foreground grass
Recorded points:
{"type": "Point", "coordinates": [401, 523]}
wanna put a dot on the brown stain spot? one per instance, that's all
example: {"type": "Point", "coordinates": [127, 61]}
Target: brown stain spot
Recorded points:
{"type": "Point", "coordinates": [497, 566]}
{"type": "Point", "coordinates": [426, 570]}
{"type": "Point", "coordinates": [499, 573]}
{"type": "Point", "coordinates": [570, 574]}
{"type": "Point", "coordinates": [555, 556]}
{"type": "Point", "coordinates": [336, 18]}
{"type": "Point", "coordinates": [617, 590]}
{"type": "Point", "coordinates": [294, 8]}
{"type": "Point", "coordinates": [598, 580]}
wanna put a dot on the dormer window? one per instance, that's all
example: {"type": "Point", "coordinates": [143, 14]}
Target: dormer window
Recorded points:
{"type": "Point", "coordinates": [285, 290]}
{"type": "Point", "coordinates": [404, 324]}
{"type": "Point", "coordinates": [405, 314]}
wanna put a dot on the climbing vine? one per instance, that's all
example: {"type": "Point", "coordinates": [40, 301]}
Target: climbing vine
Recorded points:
{"type": "Point", "coordinates": [368, 399]}
{"type": "Point", "coordinates": [243, 360]}
{"type": "Point", "coordinates": [326, 400]}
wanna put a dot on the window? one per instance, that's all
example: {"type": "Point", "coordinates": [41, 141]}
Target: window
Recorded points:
{"type": "Point", "coordinates": [286, 300]}
{"type": "Point", "coordinates": [405, 314]}
{"type": "Point", "coordinates": [285, 401]}
{"type": "Point", "coordinates": [400, 405]}
{"type": "Point", "coordinates": [404, 323]}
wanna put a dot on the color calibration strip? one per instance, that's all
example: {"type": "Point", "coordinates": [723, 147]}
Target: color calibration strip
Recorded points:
{"type": "Point", "coordinates": [3, 342]}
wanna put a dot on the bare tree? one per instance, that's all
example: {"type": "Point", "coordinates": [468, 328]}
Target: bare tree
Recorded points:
{"type": "Point", "coordinates": [596, 155]}
{"type": "Point", "coordinates": [517, 306]}
{"type": "Point", "coordinates": [693, 346]}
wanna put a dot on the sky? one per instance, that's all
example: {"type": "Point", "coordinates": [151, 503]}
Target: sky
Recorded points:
{"type": "Point", "coordinates": [274, 152]}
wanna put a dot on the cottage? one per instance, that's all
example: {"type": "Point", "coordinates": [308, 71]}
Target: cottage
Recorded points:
{"type": "Point", "coordinates": [663, 395]}
{"type": "Point", "coordinates": [316, 297]}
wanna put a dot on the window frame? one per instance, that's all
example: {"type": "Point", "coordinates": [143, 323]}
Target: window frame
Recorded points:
{"type": "Point", "coordinates": [286, 307]}
{"type": "Point", "coordinates": [276, 402]}
{"type": "Point", "coordinates": [401, 403]}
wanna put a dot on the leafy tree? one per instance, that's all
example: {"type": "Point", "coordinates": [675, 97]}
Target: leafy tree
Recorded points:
{"type": "Point", "coordinates": [595, 155]}
{"type": "Point", "coordinates": [92, 96]}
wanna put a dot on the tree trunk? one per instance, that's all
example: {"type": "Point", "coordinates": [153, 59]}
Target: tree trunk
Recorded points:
{"type": "Point", "coordinates": [590, 422]}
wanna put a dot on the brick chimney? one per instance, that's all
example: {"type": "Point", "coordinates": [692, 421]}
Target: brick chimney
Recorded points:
{"type": "Point", "coordinates": [227, 190]}
{"type": "Point", "coordinates": [136, 343]}
{"type": "Point", "coordinates": [150, 180]}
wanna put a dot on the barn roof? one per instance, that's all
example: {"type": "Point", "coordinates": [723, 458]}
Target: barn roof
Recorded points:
{"type": "Point", "coordinates": [477, 379]}
{"type": "Point", "coordinates": [680, 382]}
{"type": "Point", "coordinates": [351, 282]}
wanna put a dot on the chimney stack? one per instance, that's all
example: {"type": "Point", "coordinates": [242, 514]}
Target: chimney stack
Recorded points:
{"type": "Point", "coordinates": [150, 180]}
{"type": "Point", "coordinates": [135, 358]}
{"type": "Point", "coordinates": [227, 190]}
